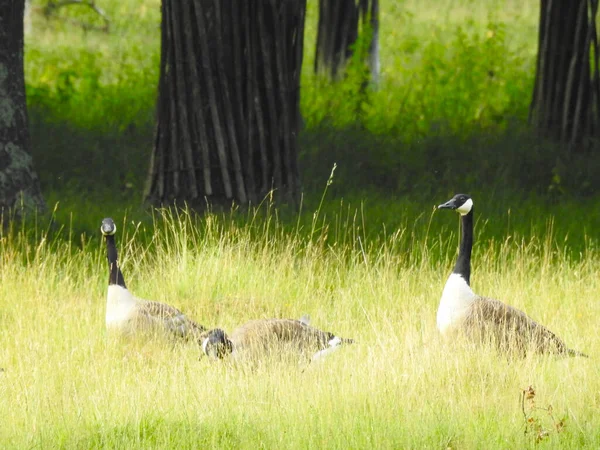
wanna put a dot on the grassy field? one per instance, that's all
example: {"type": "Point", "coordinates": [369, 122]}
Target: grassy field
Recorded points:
{"type": "Point", "coordinates": [66, 384]}
{"type": "Point", "coordinates": [367, 259]}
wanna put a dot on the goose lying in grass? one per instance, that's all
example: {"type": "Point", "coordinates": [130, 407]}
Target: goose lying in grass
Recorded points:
{"type": "Point", "coordinates": [264, 337]}
{"type": "Point", "coordinates": [128, 314]}
{"type": "Point", "coordinates": [461, 309]}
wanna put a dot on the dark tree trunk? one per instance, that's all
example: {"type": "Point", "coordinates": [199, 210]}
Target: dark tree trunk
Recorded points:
{"type": "Point", "coordinates": [338, 30]}
{"type": "Point", "coordinates": [19, 185]}
{"type": "Point", "coordinates": [566, 97]}
{"type": "Point", "coordinates": [228, 104]}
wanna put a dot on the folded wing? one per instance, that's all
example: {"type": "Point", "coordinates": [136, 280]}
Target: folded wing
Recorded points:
{"type": "Point", "coordinates": [170, 319]}
{"type": "Point", "coordinates": [512, 329]}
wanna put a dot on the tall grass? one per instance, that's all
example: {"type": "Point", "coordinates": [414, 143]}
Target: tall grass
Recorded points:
{"type": "Point", "coordinates": [67, 384]}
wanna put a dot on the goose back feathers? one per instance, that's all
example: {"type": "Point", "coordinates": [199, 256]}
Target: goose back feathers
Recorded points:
{"type": "Point", "coordinates": [511, 329]}
{"type": "Point", "coordinates": [259, 338]}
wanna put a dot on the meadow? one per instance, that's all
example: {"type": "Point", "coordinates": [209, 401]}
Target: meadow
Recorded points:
{"type": "Point", "coordinates": [366, 257]}
{"type": "Point", "coordinates": [66, 384]}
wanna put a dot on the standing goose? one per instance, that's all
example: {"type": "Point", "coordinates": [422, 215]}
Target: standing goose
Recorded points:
{"type": "Point", "coordinates": [267, 336]}
{"type": "Point", "coordinates": [128, 314]}
{"type": "Point", "coordinates": [462, 310]}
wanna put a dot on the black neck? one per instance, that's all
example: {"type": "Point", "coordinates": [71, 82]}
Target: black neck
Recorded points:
{"type": "Point", "coordinates": [115, 275]}
{"type": "Point", "coordinates": [463, 262]}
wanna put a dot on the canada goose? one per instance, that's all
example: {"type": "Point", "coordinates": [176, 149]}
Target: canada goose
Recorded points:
{"type": "Point", "coordinates": [128, 314]}
{"type": "Point", "coordinates": [461, 309]}
{"type": "Point", "coordinates": [265, 336]}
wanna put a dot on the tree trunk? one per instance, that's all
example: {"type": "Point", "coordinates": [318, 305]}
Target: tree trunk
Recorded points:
{"type": "Point", "coordinates": [338, 32]}
{"type": "Point", "coordinates": [566, 97]}
{"type": "Point", "coordinates": [228, 103]}
{"type": "Point", "coordinates": [19, 185]}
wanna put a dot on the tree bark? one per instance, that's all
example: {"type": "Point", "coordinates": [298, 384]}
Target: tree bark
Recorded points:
{"type": "Point", "coordinates": [228, 103]}
{"type": "Point", "coordinates": [566, 97]}
{"type": "Point", "coordinates": [19, 185]}
{"type": "Point", "coordinates": [338, 30]}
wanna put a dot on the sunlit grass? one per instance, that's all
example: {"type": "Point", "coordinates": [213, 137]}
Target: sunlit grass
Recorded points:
{"type": "Point", "coordinates": [67, 384]}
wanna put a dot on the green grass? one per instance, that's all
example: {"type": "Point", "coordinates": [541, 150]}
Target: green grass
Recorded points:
{"type": "Point", "coordinates": [67, 384]}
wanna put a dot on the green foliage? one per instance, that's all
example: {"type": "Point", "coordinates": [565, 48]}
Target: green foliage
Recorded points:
{"type": "Point", "coordinates": [450, 109]}
{"type": "Point", "coordinates": [462, 81]}
{"type": "Point", "coordinates": [448, 114]}
{"type": "Point", "coordinates": [90, 79]}
{"type": "Point", "coordinates": [78, 92]}
{"type": "Point", "coordinates": [455, 86]}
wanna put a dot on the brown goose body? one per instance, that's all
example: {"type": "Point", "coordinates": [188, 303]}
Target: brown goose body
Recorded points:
{"type": "Point", "coordinates": [511, 329]}
{"type": "Point", "coordinates": [264, 337]}
{"type": "Point", "coordinates": [264, 334]}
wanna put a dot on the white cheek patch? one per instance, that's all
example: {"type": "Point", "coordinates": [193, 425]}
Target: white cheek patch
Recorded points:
{"type": "Point", "coordinates": [465, 208]}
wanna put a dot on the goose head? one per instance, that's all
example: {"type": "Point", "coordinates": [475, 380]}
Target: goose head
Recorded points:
{"type": "Point", "coordinates": [461, 203]}
{"type": "Point", "coordinates": [217, 345]}
{"type": "Point", "coordinates": [108, 227]}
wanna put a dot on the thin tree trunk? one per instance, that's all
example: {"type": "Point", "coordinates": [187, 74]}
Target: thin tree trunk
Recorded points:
{"type": "Point", "coordinates": [228, 105]}
{"type": "Point", "coordinates": [19, 185]}
{"type": "Point", "coordinates": [374, 62]}
{"type": "Point", "coordinates": [566, 96]}
{"type": "Point", "coordinates": [340, 24]}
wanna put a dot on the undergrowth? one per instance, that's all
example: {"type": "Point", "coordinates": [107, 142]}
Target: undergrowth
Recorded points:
{"type": "Point", "coordinates": [450, 110]}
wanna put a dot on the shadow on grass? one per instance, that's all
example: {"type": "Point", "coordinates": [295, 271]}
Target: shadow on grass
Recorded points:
{"type": "Point", "coordinates": [92, 175]}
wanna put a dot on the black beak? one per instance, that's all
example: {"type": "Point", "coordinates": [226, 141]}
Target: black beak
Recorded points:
{"type": "Point", "coordinates": [450, 204]}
